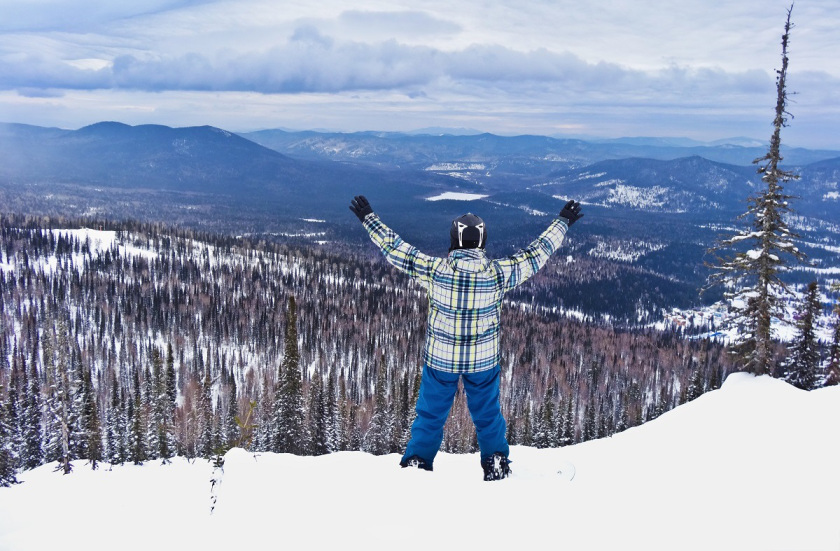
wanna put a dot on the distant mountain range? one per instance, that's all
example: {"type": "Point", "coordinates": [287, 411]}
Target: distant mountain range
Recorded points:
{"type": "Point", "coordinates": [207, 175]}
{"type": "Point", "coordinates": [313, 174]}
{"type": "Point", "coordinates": [196, 160]}
{"type": "Point", "coordinates": [537, 152]}
{"type": "Point", "coordinates": [652, 206]}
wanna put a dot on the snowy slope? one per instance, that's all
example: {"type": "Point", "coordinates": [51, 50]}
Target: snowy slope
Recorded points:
{"type": "Point", "coordinates": [750, 466]}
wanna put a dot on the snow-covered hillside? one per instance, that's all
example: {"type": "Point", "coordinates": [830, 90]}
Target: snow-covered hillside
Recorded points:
{"type": "Point", "coordinates": [750, 466]}
{"type": "Point", "coordinates": [719, 318]}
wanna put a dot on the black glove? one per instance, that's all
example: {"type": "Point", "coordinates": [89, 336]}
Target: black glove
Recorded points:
{"type": "Point", "coordinates": [360, 207]}
{"type": "Point", "coordinates": [571, 212]}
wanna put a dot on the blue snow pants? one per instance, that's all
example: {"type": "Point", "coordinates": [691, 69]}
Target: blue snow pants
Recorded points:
{"type": "Point", "coordinates": [437, 392]}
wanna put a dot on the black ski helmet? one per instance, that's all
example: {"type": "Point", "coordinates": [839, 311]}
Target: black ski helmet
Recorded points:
{"type": "Point", "coordinates": [467, 232]}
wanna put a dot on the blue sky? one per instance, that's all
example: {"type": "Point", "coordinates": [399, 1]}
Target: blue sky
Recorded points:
{"type": "Point", "coordinates": [698, 69]}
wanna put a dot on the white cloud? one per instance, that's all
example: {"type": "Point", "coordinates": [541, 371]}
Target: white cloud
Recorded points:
{"type": "Point", "coordinates": [655, 67]}
{"type": "Point", "coordinates": [313, 62]}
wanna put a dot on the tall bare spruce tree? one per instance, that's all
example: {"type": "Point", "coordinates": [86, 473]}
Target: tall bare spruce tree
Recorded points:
{"type": "Point", "coordinates": [763, 251]}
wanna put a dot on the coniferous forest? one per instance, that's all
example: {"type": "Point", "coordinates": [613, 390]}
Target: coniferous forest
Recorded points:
{"type": "Point", "coordinates": [146, 342]}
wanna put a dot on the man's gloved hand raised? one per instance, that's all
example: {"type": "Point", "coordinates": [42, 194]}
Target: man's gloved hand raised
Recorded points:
{"type": "Point", "coordinates": [360, 207]}
{"type": "Point", "coordinates": [571, 212]}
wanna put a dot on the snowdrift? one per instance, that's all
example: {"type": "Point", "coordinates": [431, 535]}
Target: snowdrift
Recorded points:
{"type": "Point", "coordinates": [750, 466]}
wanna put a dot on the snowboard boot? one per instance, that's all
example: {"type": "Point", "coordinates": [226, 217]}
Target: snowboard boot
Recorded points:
{"type": "Point", "coordinates": [496, 467]}
{"type": "Point", "coordinates": [415, 461]}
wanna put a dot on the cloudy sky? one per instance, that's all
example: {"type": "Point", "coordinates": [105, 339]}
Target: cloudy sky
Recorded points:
{"type": "Point", "coordinates": [702, 69]}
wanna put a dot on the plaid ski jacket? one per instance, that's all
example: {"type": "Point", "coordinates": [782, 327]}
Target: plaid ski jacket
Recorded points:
{"type": "Point", "coordinates": [465, 293]}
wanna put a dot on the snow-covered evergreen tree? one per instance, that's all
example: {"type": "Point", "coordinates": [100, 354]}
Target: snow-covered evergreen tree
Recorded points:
{"type": "Point", "coordinates": [380, 433]}
{"type": "Point", "coordinates": [266, 432]}
{"type": "Point", "coordinates": [332, 415]}
{"type": "Point", "coordinates": [162, 406]}
{"type": "Point", "coordinates": [343, 421]}
{"type": "Point", "coordinates": [355, 438]}
{"type": "Point", "coordinates": [171, 384]}
{"type": "Point", "coordinates": [278, 425]}
{"type": "Point", "coordinates": [289, 411]}
{"type": "Point", "coordinates": [605, 420]}
{"type": "Point", "coordinates": [696, 385]}
{"type": "Point", "coordinates": [32, 451]}
{"type": "Point", "coordinates": [13, 414]}
{"type": "Point", "coordinates": [404, 413]}
{"type": "Point", "coordinates": [318, 435]}
{"type": "Point", "coordinates": [167, 399]}
{"type": "Point", "coordinates": [115, 446]}
{"type": "Point", "coordinates": [512, 434]}
{"type": "Point", "coordinates": [231, 432]}
{"type": "Point", "coordinates": [832, 368]}
{"type": "Point", "coordinates": [544, 427]}
{"type": "Point", "coordinates": [412, 405]}
{"type": "Point", "coordinates": [147, 403]}
{"type": "Point", "coordinates": [622, 419]}
{"type": "Point", "coordinates": [10, 421]}
{"type": "Point", "coordinates": [204, 445]}
{"type": "Point", "coordinates": [590, 423]}
{"type": "Point", "coordinates": [51, 444]}
{"type": "Point", "coordinates": [137, 434]}
{"type": "Point", "coordinates": [802, 367]}
{"type": "Point", "coordinates": [7, 454]}
{"type": "Point", "coordinates": [753, 286]}
{"type": "Point", "coordinates": [246, 426]}
{"type": "Point", "coordinates": [90, 422]}
{"type": "Point", "coordinates": [527, 431]}
{"type": "Point", "coordinates": [63, 385]}
{"type": "Point", "coordinates": [661, 405]}
{"type": "Point", "coordinates": [78, 430]}
{"type": "Point", "coordinates": [218, 446]}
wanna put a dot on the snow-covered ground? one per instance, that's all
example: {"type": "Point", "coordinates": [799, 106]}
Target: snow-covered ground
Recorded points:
{"type": "Point", "coordinates": [752, 466]}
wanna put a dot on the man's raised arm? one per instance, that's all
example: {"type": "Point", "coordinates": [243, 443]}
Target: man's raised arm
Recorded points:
{"type": "Point", "coordinates": [519, 267]}
{"type": "Point", "coordinates": [398, 253]}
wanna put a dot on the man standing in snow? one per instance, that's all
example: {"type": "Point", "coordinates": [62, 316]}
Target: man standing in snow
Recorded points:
{"type": "Point", "coordinates": [462, 330]}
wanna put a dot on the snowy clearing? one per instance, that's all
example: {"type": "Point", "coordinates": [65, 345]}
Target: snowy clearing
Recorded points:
{"type": "Point", "coordinates": [456, 196]}
{"type": "Point", "coordinates": [96, 241]}
{"type": "Point", "coordinates": [624, 251]}
{"type": "Point", "coordinates": [447, 167]}
{"type": "Point", "coordinates": [750, 466]}
{"type": "Point", "coordinates": [590, 176]}
{"type": "Point", "coordinates": [724, 329]}
{"type": "Point", "coordinates": [638, 197]}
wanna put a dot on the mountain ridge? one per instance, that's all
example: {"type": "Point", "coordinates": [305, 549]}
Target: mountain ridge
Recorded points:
{"type": "Point", "coordinates": [369, 146]}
